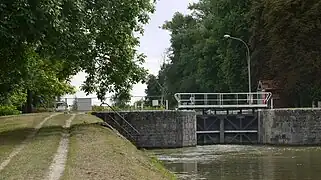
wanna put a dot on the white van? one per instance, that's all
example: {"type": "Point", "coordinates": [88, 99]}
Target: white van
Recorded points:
{"type": "Point", "coordinates": [61, 106]}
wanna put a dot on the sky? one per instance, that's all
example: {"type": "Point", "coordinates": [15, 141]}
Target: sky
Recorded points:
{"type": "Point", "coordinates": [153, 44]}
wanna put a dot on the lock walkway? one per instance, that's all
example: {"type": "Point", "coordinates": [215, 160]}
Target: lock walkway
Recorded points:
{"type": "Point", "coordinates": [254, 100]}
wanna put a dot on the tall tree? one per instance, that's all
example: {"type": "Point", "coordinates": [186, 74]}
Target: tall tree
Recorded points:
{"type": "Point", "coordinates": [94, 36]}
{"type": "Point", "coordinates": [153, 88]}
{"type": "Point", "coordinates": [283, 37]}
{"type": "Point", "coordinates": [201, 60]}
{"type": "Point", "coordinates": [286, 43]}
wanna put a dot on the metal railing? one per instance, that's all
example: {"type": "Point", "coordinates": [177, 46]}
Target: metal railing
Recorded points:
{"type": "Point", "coordinates": [224, 100]}
{"type": "Point", "coordinates": [129, 134]}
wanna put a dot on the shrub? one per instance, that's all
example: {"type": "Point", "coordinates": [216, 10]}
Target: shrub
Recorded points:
{"type": "Point", "coordinates": [42, 109]}
{"type": "Point", "coordinates": [8, 110]}
{"type": "Point", "coordinates": [98, 108]}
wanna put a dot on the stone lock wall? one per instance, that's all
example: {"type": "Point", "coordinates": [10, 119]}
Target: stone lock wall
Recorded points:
{"type": "Point", "coordinates": [290, 126]}
{"type": "Point", "coordinates": [157, 129]}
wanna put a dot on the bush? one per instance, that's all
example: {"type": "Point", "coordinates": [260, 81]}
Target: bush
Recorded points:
{"type": "Point", "coordinates": [42, 109]}
{"type": "Point", "coordinates": [8, 110]}
{"type": "Point", "coordinates": [98, 108]}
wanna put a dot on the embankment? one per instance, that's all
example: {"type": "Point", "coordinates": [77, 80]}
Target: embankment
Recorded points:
{"type": "Point", "coordinates": [97, 152]}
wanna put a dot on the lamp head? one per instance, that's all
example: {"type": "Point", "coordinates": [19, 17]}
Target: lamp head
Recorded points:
{"type": "Point", "coordinates": [227, 36]}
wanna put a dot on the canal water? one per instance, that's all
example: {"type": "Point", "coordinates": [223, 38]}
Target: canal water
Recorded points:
{"type": "Point", "coordinates": [236, 162]}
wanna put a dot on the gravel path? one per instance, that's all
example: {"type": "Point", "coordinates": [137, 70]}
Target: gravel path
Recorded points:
{"type": "Point", "coordinates": [57, 167]}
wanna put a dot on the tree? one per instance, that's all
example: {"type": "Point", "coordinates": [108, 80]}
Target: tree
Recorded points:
{"type": "Point", "coordinates": [93, 36]}
{"type": "Point", "coordinates": [283, 37]}
{"type": "Point", "coordinates": [153, 87]}
{"type": "Point", "coordinates": [153, 90]}
{"type": "Point", "coordinates": [285, 40]}
{"type": "Point", "coordinates": [121, 99]}
{"type": "Point", "coordinates": [201, 60]}
{"type": "Point", "coordinates": [42, 82]}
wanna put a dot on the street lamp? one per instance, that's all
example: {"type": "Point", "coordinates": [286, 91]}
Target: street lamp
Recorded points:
{"type": "Point", "coordinates": [248, 57]}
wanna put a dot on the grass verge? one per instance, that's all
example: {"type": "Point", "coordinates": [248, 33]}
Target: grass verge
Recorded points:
{"type": "Point", "coordinates": [160, 166]}
{"type": "Point", "coordinates": [97, 152]}
{"type": "Point", "coordinates": [14, 129]}
{"type": "Point", "coordinates": [34, 160]}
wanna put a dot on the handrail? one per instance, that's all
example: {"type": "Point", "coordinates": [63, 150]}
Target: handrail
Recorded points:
{"type": "Point", "coordinates": [131, 136]}
{"type": "Point", "coordinates": [224, 100]}
{"type": "Point", "coordinates": [222, 93]}
{"type": "Point", "coordinates": [121, 117]}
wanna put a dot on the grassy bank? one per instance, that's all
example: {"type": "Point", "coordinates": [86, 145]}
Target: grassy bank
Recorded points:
{"type": "Point", "coordinates": [34, 160]}
{"type": "Point", "coordinates": [14, 129]}
{"type": "Point", "coordinates": [97, 152]}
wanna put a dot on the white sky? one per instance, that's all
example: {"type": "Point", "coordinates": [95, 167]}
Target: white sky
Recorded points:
{"type": "Point", "coordinates": [152, 44]}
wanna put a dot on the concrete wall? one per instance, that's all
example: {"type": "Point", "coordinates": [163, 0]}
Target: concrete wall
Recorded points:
{"type": "Point", "coordinates": [290, 127]}
{"type": "Point", "coordinates": [157, 129]}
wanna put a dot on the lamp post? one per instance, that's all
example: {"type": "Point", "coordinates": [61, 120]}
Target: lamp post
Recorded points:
{"type": "Point", "coordinates": [248, 58]}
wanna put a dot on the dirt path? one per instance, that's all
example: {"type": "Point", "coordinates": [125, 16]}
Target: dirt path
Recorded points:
{"type": "Point", "coordinates": [58, 165]}
{"type": "Point", "coordinates": [20, 147]}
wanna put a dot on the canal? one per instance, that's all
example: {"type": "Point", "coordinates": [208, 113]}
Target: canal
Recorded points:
{"type": "Point", "coordinates": [236, 162]}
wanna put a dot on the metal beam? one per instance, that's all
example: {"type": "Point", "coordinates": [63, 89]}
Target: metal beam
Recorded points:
{"type": "Point", "coordinates": [241, 131]}
{"type": "Point", "coordinates": [207, 132]}
{"type": "Point", "coordinates": [222, 106]}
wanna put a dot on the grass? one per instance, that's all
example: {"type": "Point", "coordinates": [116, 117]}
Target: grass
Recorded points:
{"type": "Point", "coordinates": [160, 166]}
{"type": "Point", "coordinates": [14, 129]}
{"type": "Point", "coordinates": [34, 160]}
{"type": "Point", "coordinates": [97, 152]}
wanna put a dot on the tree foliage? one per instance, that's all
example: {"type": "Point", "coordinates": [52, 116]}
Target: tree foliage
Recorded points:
{"type": "Point", "coordinates": [286, 46]}
{"type": "Point", "coordinates": [44, 43]}
{"type": "Point", "coordinates": [283, 37]}
{"type": "Point", "coordinates": [153, 90]}
{"type": "Point", "coordinates": [121, 99]}
{"type": "Point", "coordinates": [201, 60]}
{"type": "Point", "coordinates": [153, 87]}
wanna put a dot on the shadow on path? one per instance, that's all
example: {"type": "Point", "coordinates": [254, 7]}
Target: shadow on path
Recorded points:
{"type": "Point", "coordinates": [16, 136]}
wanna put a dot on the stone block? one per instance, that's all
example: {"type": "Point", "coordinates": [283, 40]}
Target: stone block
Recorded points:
{"type": "Point", "coordinates": [290, 126]}
{"type": "Point", "coordinates": [157, 129]}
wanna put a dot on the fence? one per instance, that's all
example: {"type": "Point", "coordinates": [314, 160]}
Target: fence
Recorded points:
{"type": "Point", "coordinates": [224, 100]}
{"type": "Point", "coordinates": [136, 103]}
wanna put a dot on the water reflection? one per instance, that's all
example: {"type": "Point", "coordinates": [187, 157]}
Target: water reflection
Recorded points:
{"type": "Point", "coordinates": [232, 162]}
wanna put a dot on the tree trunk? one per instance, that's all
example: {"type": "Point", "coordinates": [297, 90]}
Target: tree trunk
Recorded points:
{"type": "Point", "coordinates": [28, 107]}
